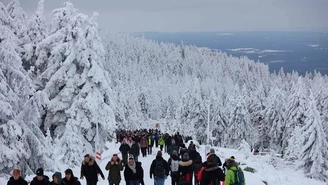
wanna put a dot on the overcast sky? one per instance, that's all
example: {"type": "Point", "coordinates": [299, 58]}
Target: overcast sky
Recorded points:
{"type": "Point", "coordinates": [198, 15]}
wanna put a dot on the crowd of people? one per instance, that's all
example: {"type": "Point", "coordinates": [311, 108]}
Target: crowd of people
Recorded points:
{"type": "Point", "coordinates": [185, 165]}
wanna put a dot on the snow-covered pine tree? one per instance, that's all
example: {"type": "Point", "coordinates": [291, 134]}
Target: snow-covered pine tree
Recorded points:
{"type": "Point", "coordinates": [15, 89]}
{"type": "Point", "coordinates": [293, 151]}
{"type": "Point", "coordinates": [36, 31]}
{"type": "Point", "coordinates": [313, 156]}
{"type": "Point", "coordinates": [297, 103]}
{"type": "Point", "coordinates": [12, 146]}
{"type": "Point", "coordinates": [77, 85]}
{"type": "Point", "coordinates": [18, 15]}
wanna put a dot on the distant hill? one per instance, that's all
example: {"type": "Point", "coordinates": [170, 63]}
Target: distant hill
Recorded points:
{"type": "Point", "coordinates": [298, 51]}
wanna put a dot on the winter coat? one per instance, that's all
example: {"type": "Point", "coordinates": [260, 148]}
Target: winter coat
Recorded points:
{"type": "Point", "coordinates": [161, 141]}
{"type": "Point", "coordinates": [129, 175]}
{"type": "Point", "coordinates": [185, 167]}
{"type": "Point", "coordinates": [124, 148]}
{"type": "Point", "coordinates": [153, 165]}
{"type": "Point", "coordinates": [212, 175]}
{"type": "Point", "coordinates": [114, 175]}
{"type": "Point", "coordinates": [172, 148]}
{"type": "Point", "coordinates": [185, 172]}
{"type": "Point", "coordinates": [59, 177]}
{"type": "Point", "coordinates": [19, 181]}
{"type": "Point", "coordinates": [135, 150]}
{"type": "Point", "coordinates": [197, 165]}
{"type": "Point", "coordinates": [230, 176]}
{"type": "Point", "coordinates": [91, 170]}
{"type": "Point", "coordinates": [193, 154]}
{"type": "Point", "coordinates": [150, 142]}
{"type": "Point", "coordinates": [217, 160]}
{"type": "Point", "coordinates": [45, 181]}
{"type": "Point", "coordinates": [143, 143]}
{"type": "Point", "coordinates": [72, 181]}
{"type": "Point", "coordinates": [156, 137]}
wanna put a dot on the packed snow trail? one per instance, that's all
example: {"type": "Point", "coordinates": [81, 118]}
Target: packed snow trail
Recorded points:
{"type": "Point", "coordinates": [268, 168]}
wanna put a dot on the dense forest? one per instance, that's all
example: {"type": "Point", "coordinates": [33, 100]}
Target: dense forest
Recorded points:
{"type": "Point", "coordinates": [64, 79]}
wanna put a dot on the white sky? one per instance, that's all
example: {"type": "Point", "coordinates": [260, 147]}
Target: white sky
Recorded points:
{"type": "Point", "coordinates": [198, 15]}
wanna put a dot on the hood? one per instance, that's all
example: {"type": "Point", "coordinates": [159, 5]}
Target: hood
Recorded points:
{"type": "Point", "coordinates": [70, 172]}
{"type": "Point", "coordinates": [58, 175]}
{"type": "Point", "coordinates": [159, 158]}
{"type": "Point", "coordinates": [91, 162]}
{"type": "Point", "coordinates": [233, 164]}
{"type": "Point", "coordinates": [185, 163]}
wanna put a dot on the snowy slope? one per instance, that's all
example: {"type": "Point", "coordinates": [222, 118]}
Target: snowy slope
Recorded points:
{"type": "Point", "coordinates": [268, 168]}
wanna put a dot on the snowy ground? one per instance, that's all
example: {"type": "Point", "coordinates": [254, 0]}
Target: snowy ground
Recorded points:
{"type": "Point", "coordinates": [268, 168]}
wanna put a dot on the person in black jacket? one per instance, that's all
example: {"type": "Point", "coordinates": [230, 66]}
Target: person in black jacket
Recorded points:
{"type": "Point", "coordinates": [70, 179]}
{"type": "Point", "coordinates": [160, 169]}
{"type": "Point", "coordinates": [213, 174]}
{"type": "Point", "coordinates": [124, 149]}
{"type": "Point", "coordinates": [135, 150]}
{"type": "Point", "coordinates": [56, 179]}
{"type": "Point", "coordinates": [16, 179]}
{"type": "Point", "coordinates": [40, 178]}
{"type": "Point", "coordinates": [185, 170]}
{"type": "Point", "coordinates": [90, 170]}
{"type": "Point", "coordinates": [133, 172]}
{"type": "Point", "coordinates": [174, 167]}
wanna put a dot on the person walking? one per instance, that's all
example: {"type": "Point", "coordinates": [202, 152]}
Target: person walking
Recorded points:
{"type": "Point", "coordinates": [133, 172]}
{"type": "Point", "coordinates": [174, 167]}
{"type": "Point", "coordinates": [114, 166]}
{"type": "Point", "coordinates": [135, 150]}
{"type": "Point", "coordinates": [124, 149]}
{"type": "Point", "coordinates": [212, 173]}
{"type": "Point", "coordinates": [90, 170]}
{"type": "Point", "coordinates": [159, 168]}
{"type": "Point", "coordinates": [235, 174]}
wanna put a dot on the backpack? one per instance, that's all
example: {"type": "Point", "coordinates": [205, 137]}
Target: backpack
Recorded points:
{"type": "Point", "coordinates": [197, 167]}
{"type": "Point", "coordinates": [159, 168]}
{"type": "Point", "coordinates": [239, 177]}
{"type": "Point", "coordinates": [174, 166]}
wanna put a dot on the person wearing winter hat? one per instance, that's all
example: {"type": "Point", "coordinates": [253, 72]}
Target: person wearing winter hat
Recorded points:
{"type": "Point", "coordinates": [217, 159]}
{"type": "Point", "coordinates": [70, 179]}
{"type": "Point", "coordinates": [224, 166]}
{"type": "Point", "coordinates": [40, 178]}
{"type": "Point", "coordinates": [233, 171]}
{"type": "Point", "coordinates": [160, 169]}
{"type": "Point", "coordinates": [56, 179]}
{"type": "Point", "coordinates": [16, 179]}
{"type": "Point", "coordinates": [185, 170]}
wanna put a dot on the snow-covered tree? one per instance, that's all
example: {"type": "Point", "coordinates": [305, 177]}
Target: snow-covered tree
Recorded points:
{"type": "Point", "coordinates": [75, 80]}
{"type": "Point", "coordinates": [313, 157]}
{"type": "Point", "coordinates": [18, 16]}
{"type": "Point", "coordinates": [36, 31]}
{"type": "Point", "coordinates": [15, 84]}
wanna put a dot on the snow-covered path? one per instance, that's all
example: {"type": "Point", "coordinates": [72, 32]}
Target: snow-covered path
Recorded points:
{"type": "Point", "coordinates": [268, 168]}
